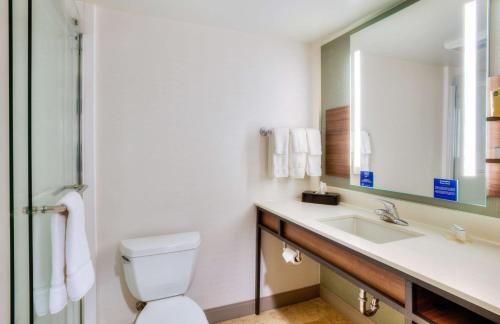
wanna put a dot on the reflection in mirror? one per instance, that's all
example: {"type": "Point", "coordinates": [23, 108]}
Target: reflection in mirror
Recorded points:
{"type": "Point", "coordinates": [418, 101]}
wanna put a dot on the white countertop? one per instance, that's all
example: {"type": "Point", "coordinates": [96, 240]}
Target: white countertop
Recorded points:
{"type": "Point", "coordinates": [470, 271]}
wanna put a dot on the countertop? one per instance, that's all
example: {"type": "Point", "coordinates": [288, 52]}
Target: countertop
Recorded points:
{"type": "Point", "coordinates": [469, 270]}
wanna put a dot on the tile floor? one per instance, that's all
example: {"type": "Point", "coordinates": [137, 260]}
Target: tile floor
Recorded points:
{"type": "Point", "coordinates": [314, 311]}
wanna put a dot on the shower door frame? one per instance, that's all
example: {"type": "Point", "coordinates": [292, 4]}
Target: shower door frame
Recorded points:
{"type": "Point", "coordinates": [80, 150]}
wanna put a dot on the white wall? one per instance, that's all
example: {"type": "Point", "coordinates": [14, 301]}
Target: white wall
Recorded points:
{"type": "Point", "coordinates": [4, 165]}
{"type": "Point", "coordinates": [178, 112]}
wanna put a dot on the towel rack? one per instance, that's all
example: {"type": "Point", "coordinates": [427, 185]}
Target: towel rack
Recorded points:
{"type": "Point", "coordinates": [58, 208]}
{"type": "Point", "coordinates": [265, 131]}
{"type": "Point", "coordinates": [46, 209]}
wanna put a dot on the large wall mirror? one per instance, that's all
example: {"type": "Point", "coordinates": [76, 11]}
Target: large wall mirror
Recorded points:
{"type": "Point", "coordinates": [416, 85]}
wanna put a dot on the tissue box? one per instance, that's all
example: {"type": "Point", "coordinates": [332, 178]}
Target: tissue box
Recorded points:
{"type": "Point", "coordinates": [328, 198]}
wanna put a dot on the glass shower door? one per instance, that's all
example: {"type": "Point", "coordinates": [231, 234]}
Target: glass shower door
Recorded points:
{"type": "Point", "coordinates": [45, 146]}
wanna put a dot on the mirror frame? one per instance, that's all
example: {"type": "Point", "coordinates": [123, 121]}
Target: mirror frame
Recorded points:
{"type": "Point", "coordinates": [492, 204]}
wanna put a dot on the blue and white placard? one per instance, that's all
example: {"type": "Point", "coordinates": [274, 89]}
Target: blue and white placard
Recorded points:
{"type": "Point", "coordinates": [446, 189]}
{"type": "Point", "coordinates": [366, 179]}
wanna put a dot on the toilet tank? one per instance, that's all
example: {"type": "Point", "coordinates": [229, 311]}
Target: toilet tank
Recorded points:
{"type": "Point", "coordinates": [158, 267]}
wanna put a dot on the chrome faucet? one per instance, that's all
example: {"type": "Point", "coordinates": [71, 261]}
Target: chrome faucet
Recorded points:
{"type": "Point", "coordinates": [390, 213]}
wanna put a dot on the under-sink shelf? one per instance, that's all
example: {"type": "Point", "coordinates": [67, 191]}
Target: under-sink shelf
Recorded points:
{"type": "Point", "coordinates": [437, 309]}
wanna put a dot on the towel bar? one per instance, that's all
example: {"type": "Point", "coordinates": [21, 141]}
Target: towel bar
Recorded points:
{"type": "Point", "coordinates": [265, 131]}
{"type": "Point", "coordinates": [59, 208]}
{"type": "Point", "coordinates": [46, 210]}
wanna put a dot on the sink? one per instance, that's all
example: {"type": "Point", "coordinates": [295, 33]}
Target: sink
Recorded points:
{"type": "Point", "coordinates": [370, 230]}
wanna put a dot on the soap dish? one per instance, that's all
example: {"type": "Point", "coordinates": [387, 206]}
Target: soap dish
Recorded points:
{"type": "Point", "coordinates": [328, 198]}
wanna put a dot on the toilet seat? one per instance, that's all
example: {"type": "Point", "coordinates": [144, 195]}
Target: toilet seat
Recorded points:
{"type": "Point", "coordinates": [178, 310]}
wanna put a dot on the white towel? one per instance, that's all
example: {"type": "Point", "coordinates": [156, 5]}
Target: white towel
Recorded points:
{"type": "Point", "coordinates": [281, 138]}
{"type": "Point", "coordinates": [278, 153]}
{"type": "Point", "coordinates": [313, 166]}
{"type": "Point", "coordinates": [58, 295]}
{"type": "Point", "coordinates": [366, 151]}
{"type": "Point", "coordinates": [41, 263]}
{"type": "Point", "coordinates": [80, 274]}
{"type": "Point", "coordinates": [298, 154]}
{"type": "Point", "coordinates": [70, 254]}
{"type": "Point", "coordinates": [314, 141]}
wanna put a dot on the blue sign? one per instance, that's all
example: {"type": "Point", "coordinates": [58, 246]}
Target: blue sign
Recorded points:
{"type": "Point", "coordinates": [446, 189]}
{"type": "Point", "coordinates": [366, 179]}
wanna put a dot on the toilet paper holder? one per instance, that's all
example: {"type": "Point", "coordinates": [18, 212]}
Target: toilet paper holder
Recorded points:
{"type": "Point", "coordinates": [290, 255]}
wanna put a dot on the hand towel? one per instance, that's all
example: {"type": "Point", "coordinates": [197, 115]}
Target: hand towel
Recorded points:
{"type": "Point", "coordinates": [278, 153]}
{"type": "Point", "coordinates": [298, 154]}
{"type": "Point", "coordinates": [58, 295]}
{"type": "Point", "coordinates": [313, 166]}
{"type": "Point", "coordinates": [366, 151]}
{"type": "Point", "coordinates": [41, 263]}
{"type": "Point", "coordinates": [80, 274]}
{"type": "Point", "coordinates": [72, 270]}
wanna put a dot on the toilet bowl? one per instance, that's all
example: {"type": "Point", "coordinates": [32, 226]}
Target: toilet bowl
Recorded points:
{"type": "Point", "coordinates": [159, 270]}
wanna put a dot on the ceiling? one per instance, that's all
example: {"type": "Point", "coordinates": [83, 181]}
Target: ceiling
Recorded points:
{"type": "Point", "coordinates": [300, 20]}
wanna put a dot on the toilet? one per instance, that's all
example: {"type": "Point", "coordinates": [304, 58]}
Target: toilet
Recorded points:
{"type": "Point", "coordinates": [159, 270]}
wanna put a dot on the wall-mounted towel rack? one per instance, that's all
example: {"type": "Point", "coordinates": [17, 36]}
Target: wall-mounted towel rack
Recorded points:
{"type": "Point", "coordinates": [265, 131]}
{"type": "Point", "coordinates": [46, 210]}
{"type": "Point", "coordinates": [55, 209]}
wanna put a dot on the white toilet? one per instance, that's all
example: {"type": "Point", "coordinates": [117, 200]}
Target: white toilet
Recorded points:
{"type": "Point", "coordinates": [158, 270]}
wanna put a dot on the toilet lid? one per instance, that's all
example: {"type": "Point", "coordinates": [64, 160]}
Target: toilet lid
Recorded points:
{"type": "Point", "coordinates": [178, 310]}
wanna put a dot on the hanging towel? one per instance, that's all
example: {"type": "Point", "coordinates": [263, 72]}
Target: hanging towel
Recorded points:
{"type": "Point", "coordinates": [313, 166]}
{"type": "Point", "coordinates": [366, 151]}
{"type": "Point", "coordinates": [298, 154]}
{"type": "Point", "coordinates": [58, 295]}
{"type": "Point", "coordinates": [278, 153]}
{"type": "Point", "coordinates": [80, 274]}
{"type": "Point", "coordinates": [41, 263]}
{"type": "Point", "coordinates": [72, 270]}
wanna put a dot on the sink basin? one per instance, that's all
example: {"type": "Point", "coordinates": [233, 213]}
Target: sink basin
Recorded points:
{"type": "Point", "coordinates": [370, 230]}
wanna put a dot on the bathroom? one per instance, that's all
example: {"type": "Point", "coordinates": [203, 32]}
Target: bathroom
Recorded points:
{"type": "Point", "coordinates": [175, 126]}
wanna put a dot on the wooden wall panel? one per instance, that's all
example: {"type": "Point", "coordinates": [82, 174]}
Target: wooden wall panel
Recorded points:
{"type": "Point", "coordinates": [493, 137]}
{"type": "Point", "coordinates": [493, 177]}
{"type": "Point", "coordinates": [493, 161]}
{"type": "Point", "coordinates": [337, 159]}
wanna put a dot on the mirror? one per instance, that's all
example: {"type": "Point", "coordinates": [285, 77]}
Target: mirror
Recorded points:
{"type": "Point", "coordinates": [418, 101]}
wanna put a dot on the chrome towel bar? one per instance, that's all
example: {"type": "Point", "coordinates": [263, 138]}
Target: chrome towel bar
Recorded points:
{"type": "Point", "coordinates": [265, 131]}
{"type": "Point", "coordinates": [46, 210]}
{"type": "Point", "coordinates": [55, 209]}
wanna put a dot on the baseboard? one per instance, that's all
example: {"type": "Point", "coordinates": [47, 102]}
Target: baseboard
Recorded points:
{"type": "Point", "coordinates": [343, 308]}
{"type": "Point", "coordinates": [224, 313]}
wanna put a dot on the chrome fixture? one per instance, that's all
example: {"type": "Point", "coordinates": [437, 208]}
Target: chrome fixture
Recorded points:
{"type": "Point", "coordinates": [374, 305]}
{"type": "Point", "coordinates": [265, 131]}
{"type": "Point", "coordinates": [59, 209]}
{"type": "Point", "coordinates": [390, 213]}
{"type": "Point", "coordinates": [80, 188]}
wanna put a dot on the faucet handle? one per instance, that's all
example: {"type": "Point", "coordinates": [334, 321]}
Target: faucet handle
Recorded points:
{"type": "Point", "coordinates": [389, 205]}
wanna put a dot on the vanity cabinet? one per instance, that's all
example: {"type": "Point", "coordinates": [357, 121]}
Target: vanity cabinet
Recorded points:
{"type": "Point", "coordinates": [418, 301]}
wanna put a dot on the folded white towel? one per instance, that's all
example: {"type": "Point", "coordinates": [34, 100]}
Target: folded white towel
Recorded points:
{"type": "Point", "coordinates": [298, 140]}
{"type": "Point", "coordinates": [41, 263]}
{"type": "Point", "coordinates": [314, 141]}
{"type": "Point", "coordinates": [281, 138]}
{"type": "Point", "coordinates": [278, 153]}
{"type": "Point", "coordinates": [80, 274]}
{"type": "Point", "coordinates": [72, 270]}
{"type": "Point", "coordinates": [366, 151]}
{"type": "Point", "coordinates": [298, 153]}
{"type": "Point", "coordinates": [58, 295]}
{"type": "Point", "coordinates": [366, 147]}
{"type": "Point", "coordinates": [313, 166]}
